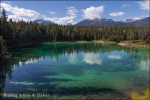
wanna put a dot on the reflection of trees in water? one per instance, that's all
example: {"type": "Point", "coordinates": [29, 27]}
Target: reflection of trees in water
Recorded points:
{"type": "Point", "coordinates": [55, 50]}
{"type": "Point", "coordinates": [4, 71]}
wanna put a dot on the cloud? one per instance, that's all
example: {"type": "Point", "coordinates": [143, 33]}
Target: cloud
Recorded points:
{"type": "Point", "coordinates": [114, 57]}
{"type": "Point", "coordinates": [92, 58]}
{"type": "Point", "coordinates": [114, 14]}
{"type": "Point", "coordinates": [93, 12]}
{"type": "Point", "coordinates": [17, 18]}
{"type": "Point", "coordinates": [145, 5]}
{"type": "Point", "coordinates": [125, 5]}
{"type": "Point", "coordinates": [72, 11]}
{"type": "Point", "coordinates": [135, 18]}
{"type": "Point", "coordinates": [51, 12]}
{"type": "Point", "coordinates": [43, 16]}
{"type": "Point", "coordinates": [71, 15]}
{"type": "Point", "coordinates": [19, 12]}
{"type": "Point", "coordinates": [62, 20]}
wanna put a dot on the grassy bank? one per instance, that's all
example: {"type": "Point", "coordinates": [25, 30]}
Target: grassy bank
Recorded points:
{"type": "Point", "coordinates": [137, 43]}
{"type": "Point", "coordinates": [134, 43]}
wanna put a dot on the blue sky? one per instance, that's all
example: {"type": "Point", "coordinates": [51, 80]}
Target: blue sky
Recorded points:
{"type": "Point", "coordinates": [63, 12]}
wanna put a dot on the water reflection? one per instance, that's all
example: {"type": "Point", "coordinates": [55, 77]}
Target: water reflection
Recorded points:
{"type": "Point", "coordinates": [144, 65]}
{"type": "Point", "coordinates": [72, 58]}
{"type": "Point", "coordinates": [92, 58]}
{"type": "Point", "coordinates": [4, 70]}
{"type": "Point", "coordinates": [114, 57]}
{"type": "Point", "coordinates": [55, 50]}
{"type": "Point", "coordinates": [85, 67]}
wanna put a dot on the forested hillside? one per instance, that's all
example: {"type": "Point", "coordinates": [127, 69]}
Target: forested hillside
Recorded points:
{"type": "Point", "coordinates": [16, 33]}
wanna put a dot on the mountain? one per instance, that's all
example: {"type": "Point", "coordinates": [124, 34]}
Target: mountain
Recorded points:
{"type": "Point", "coordinates": [109, 22]}
{"type": "Point", "coordinates": [69, 24]}
{"type": "Point", "coordinates": [42, 21]}
{"type": "Point", "coordinates": [102, 22]}
{"type": "Point", "coordinates": [105, 22]}
{"type": "Point", "coordinates": [131, 20]}
{"type": "Point", "coordinates": [142, 22]}
{"type": "Point", "coordinates": [96, 22]}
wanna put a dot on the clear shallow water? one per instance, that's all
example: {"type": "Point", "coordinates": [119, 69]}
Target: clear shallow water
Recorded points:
{"type": "Point", "coordinates": [79, 69]}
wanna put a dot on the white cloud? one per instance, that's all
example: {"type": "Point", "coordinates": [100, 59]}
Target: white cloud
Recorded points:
{"type": "Point", "coordinates": [43, 16]}
{"type": "Point", "coordinates": [71, 15]}
{"type": "Point", "coordinates": [62, 20]}
{"type": "Point", "coordinates": [135, 18]}
{"type": "Point", "coordinates": [114, 57]}
{"type": "Point", "coordinates": [72, 11]}
{"type": "Point", "coordinates": [17, 18]}
{"type": "Point", "coordinates": [20, 12]}
{"type": "Point", "coordinates": [93, 12]}
{"type": "Point", "coordinates": [132, 19]}
{"type": "Point", "coordinates": [114, 14]}
{"type": "Point", "coordinates": [51, 12]}
{"type": "Point", "coordinates": [145, 5]}
{"type": "Point", "coordinates": [125, 5]}
{"type": "Point", "coordinates": [92, 58]}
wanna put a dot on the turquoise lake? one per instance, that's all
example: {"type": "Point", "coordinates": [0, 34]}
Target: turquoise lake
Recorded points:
{"type": "Point", "coordinates": [78, 70]}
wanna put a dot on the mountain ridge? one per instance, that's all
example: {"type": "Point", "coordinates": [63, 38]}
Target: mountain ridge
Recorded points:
{"type": "Point", "coordinates": [144, 22]}
{"type": "Point", "coordinates": [42, 21]}
{"type": "Point", "coordinates": [109, 22]}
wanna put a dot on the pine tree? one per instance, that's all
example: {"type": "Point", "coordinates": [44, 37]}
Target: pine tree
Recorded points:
{"type": "Point", "coordinates": [4, 55]}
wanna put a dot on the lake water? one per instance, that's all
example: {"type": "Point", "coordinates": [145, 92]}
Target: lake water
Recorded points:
{"type": "Point", "coordinates": [77, 71]}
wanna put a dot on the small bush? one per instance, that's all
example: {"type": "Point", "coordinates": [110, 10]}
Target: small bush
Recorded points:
{"type": "Point", "coordinates": [145, 96]}
{"type": "Point", "coordinates": [147, 39]}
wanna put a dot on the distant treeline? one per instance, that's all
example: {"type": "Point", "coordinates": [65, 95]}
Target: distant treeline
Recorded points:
{"type": "Point", "coordinates": [16, 33]}
{"type": "Point", "coordinates": [20, 33]}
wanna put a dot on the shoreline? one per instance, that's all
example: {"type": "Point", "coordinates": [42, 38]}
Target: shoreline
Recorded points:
{"type": "Point", "coordinates": [134, 43]}
{"type": "Point", "coordinates": [105, 41]}
{"type": "Point", "coordinates": [22, 45]}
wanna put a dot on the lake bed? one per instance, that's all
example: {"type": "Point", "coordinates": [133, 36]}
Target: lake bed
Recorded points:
{"type": "Point", "coordinates": [79, 70]}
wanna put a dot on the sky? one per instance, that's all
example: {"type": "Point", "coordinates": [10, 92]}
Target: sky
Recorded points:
{"type": "Point", "coordinates": [64, 12]}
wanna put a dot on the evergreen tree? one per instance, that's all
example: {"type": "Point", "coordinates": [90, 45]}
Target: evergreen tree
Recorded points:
{"type": "Point", "coordinates": [4, 55]}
